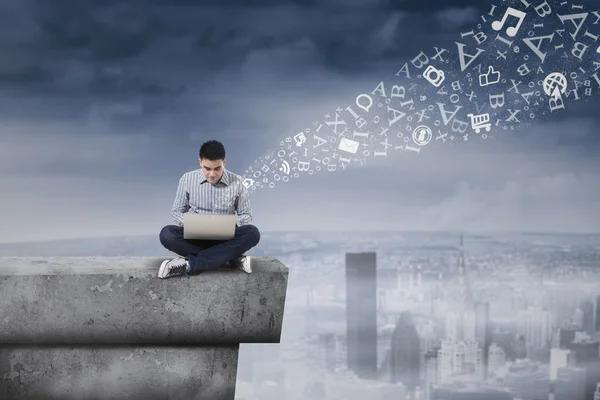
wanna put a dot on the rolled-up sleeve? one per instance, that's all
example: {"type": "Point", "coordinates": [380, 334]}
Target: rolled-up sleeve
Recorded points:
{"type": "Point", "coordinates": [243, 207]}
{"type": "Point", "coordinates": [181, 203]}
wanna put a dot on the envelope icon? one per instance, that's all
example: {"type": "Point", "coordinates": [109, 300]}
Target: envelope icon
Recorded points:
{"type": "Point", "coordinates": [348, 145]}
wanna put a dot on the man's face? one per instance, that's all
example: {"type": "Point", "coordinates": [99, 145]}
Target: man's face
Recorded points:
{"type": "Point", "coordinates": [212, 169]}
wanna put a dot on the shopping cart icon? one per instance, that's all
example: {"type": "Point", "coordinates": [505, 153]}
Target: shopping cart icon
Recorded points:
{"type": "Point", "coordinates": [479, 122]}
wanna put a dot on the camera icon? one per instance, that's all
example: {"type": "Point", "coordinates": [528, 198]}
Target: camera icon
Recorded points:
{"type": "Point", "coordinates": [434, 75]}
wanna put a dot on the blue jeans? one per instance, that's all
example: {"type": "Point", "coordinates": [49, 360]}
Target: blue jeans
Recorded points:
{"type": "Point", "coordinates": [205, 255]}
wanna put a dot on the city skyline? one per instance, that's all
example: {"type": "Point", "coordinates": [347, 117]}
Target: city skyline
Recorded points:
{"type": "Point", "coordinates": [534, 285]}
{"type": "Point", "coordinates": [549, 348]}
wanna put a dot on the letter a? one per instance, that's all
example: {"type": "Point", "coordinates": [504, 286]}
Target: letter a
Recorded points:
{"type": "Point", "coordinates": [536, 48]}
{"type": "Point", "coordinates": [462, 55]}
{"type": "Point", "coordinates": [320, 141]}
{"type": "Point", "coordinates": [444, 113]}
{"type": "Point", "coordinates": [581, 17]}
{"type": "Point", "coordinates": [380, 88]}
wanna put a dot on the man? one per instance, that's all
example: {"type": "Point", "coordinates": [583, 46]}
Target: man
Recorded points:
{"type": "Point", "coordinates": [210, 190]}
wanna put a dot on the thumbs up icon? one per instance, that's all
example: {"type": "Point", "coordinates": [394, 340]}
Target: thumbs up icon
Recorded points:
{"type": "Point", "coordinates": [490, 78]}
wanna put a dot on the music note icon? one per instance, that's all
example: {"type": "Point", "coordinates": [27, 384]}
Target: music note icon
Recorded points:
{"type": "Point", "coordinates": [511, 30]}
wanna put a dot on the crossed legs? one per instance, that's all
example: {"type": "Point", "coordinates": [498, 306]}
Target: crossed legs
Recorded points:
{"type": "Point", "coordinates": [204, 255]}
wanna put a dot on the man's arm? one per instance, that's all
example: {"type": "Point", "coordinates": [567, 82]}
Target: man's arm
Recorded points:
{"type": "Point", "coordinates": [243, 208]}
{"type": "Point", "coordinates": [181, 203]}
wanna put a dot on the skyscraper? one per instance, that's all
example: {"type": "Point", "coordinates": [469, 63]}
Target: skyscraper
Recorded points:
{"type": "Point", "coordinates": [466, 309]}
{"type": "Point", "coordinates": [466, 293]}
{"type": "Point", "coordinates": [587, 308]}
{"type": "Point", "coordinates": [586, 356]}
{"type": "Point", "coordinates": [483, 333]}
{"type": "Point", "coordinates": [535, 324]}
{"type": "Point", "coordinates": [570, 383]}
{"type": "Point", "coordinates": [361, 313]}
{"type": "Point", "coordinates": [405, 355]}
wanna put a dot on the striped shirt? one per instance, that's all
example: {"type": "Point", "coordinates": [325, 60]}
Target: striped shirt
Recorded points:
{"type": "Point", "coordinates": [227, 196]}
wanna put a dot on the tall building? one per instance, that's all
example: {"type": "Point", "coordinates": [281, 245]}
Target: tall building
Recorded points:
{"type": "Point", "coordinates": [469, 325]}
{"type": "Point", "coordinates": [587, 308]}
{"type": "Point", "coordinates": [566, 336]}
{"type": "Point", "coordinates": [361, 313]}
{"type": "Point", "coordinates": [405, 355]}
{"type": "Point", "coordinates": [463, 277]}
{"type": "Point", "coordinates": [466, 304]}
{"type": "Point", "coordinates": [535, 324]}
{"type": "Point", "coordinates": [483, 333]}
{"type": "Point", "coordinates": [528, 380]}
{"type": "Point", "coordinates": [431, 370]}
{"type": "Point", "coordinates": [587, 357]}
{"type": "Point", "coordinates": [449, 360]}
{"type": "Point", "coordinates": [578, 318]}
{"type": "Point", "coordinates": [496, 358]}
{"type": "Point", "coordinates": [504, 340]}
{"type": "Point", "coordinates": [559, 358]}
{"type": "Point", "coordinates": [570, 384]}
{"type": "Point", "coordinates": [428, 341]}
{"type": "Point", "coordinates": [458, 358]}
{"type": "Point", "coordinates": [451, 322]}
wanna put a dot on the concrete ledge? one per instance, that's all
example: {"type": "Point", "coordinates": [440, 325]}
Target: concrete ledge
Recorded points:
{"type": "Point", "coordinates": [66, 373]}
{"type": "Point", "coordinates": [120, 300]}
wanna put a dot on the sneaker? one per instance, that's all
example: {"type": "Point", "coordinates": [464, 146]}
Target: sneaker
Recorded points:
{"type": "Point", "coordinates": [242, 262]}
{"type": "Point", "coordinates": [175, 267]}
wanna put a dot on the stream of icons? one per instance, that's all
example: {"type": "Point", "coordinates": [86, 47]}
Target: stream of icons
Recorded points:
{"type": "Point", "coordinates": [350, 136]}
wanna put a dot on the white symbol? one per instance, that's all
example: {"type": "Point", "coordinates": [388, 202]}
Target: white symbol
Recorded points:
{"type": "Point", "coordinates": [248, 182]}
{"type": "Point", "coordinates": [348, 145]}
{"type": "Point", "coordinates": [439, 76]}
{"type": "Point", "coordinates": [422, 135]}
{"type": "Point", "coordinates": [285, 167]}
{"type": "Point", "coordinates": [490, 78]}
{"type": "Point", "coordinates": [300, 138]}
{"type": "Point", "coordinates": [555, 84]}
{"type": "Point", "coordinates": [479, 122]}
{"type": "Point", "coordinates": [598, 49]}
{"type": "Point", "coordinates": [512, 30]}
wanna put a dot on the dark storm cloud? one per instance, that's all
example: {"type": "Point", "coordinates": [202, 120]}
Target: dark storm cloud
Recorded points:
{"type": "Point", "coordinates": [131, 63]}
{"type": "Point", "coordinates": [180, 67]}
{"type": "Point", "coordinates": [105, 103]}
{"type": "Point", "coordinates": [200, 37]}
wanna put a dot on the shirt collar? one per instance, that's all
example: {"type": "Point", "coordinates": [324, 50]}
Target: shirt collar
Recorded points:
{"type": "Point", "coordinates": [224, 177]}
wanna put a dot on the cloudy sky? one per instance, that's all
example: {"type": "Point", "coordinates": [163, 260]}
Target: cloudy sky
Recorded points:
{"type": "Point", "coordinates": [104, 106]}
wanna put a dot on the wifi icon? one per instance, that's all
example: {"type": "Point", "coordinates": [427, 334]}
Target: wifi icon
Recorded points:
{"type": "Point", "coordinates": [285, 167]}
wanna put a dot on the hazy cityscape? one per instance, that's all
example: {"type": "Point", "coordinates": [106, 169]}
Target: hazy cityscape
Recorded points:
{"type": "Point", "coordinates": [413, 315]}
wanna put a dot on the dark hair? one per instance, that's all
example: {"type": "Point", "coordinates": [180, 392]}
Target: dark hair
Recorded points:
{"type": "Point", "coordinates": [212, 150]}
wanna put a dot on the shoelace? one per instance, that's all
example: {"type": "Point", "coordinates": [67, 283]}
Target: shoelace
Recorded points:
{"type": "Point", "coordinates": [179, 270]}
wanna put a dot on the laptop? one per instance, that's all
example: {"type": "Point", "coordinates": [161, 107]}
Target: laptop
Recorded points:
{"type": "Point", "coordinates": [208, 226]}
